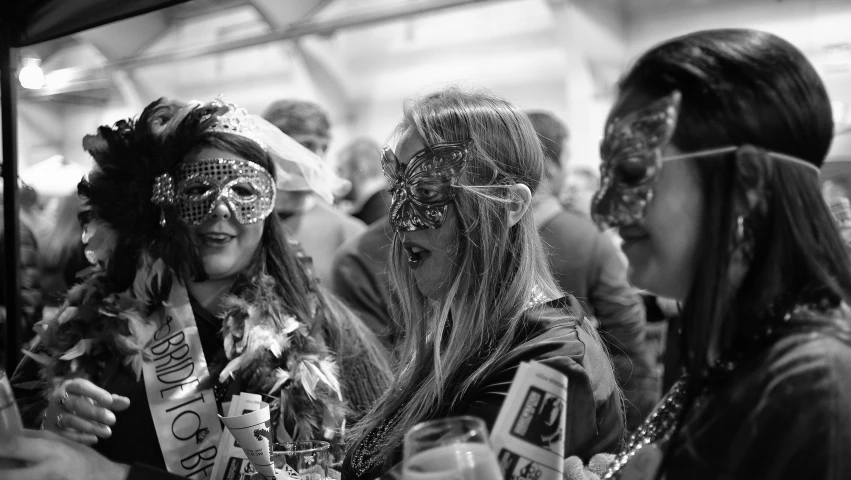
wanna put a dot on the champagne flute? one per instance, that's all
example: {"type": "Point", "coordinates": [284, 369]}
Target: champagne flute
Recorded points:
{"type": "Point", "coordinates": [453, 448]}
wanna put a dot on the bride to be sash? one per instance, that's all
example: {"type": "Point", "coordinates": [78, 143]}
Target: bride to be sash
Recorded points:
{"type": "Point", "coordinates": [179, 390]}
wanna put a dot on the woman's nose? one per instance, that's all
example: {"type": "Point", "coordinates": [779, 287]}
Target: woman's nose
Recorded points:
{"type": "Point", "coordinates": [221, 210]}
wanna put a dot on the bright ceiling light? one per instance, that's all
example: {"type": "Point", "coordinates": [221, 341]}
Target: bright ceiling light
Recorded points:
{"type": "Point", "coordinates": [31, 76]}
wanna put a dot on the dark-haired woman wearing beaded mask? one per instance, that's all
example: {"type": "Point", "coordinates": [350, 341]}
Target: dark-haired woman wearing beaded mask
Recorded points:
{"type": "Point", "coordinates": [710, 173]}
{"type": "Point", "coordinates": [195, 297]}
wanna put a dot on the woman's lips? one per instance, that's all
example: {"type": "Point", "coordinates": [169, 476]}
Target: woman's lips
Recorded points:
{"type": "Point", "coordinates": [416, 254]}
{"type": "Point", "coordinates": [215, 240]}
{"type": "Point", "coordinates": [632, 235]}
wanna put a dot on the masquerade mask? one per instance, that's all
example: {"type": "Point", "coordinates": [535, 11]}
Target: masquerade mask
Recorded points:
{"type": "Point", "coordinates": [246, 188]}
{"type": "Point", "coordinates": [423, 188]}
{"type": "Point", "coordinates": [632, 160]}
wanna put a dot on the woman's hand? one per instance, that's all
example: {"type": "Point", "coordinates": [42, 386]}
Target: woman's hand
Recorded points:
{"type": "Point", "coordinates": [34, 454]}
{"type": "Point", "coordinates": [81, 411]}
{"type": "Point", "coordinates": [597, 466]}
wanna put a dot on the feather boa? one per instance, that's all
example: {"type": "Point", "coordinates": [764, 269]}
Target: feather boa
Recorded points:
{"type": "Point", "coordinates": [280, 355]}
{"type": "Point", "coordinates": [273, 353]}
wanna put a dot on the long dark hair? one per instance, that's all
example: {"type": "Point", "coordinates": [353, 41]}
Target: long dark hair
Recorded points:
{"type": "Point", "coordinates": [753, 90]}
{"type": "Point", "coordinates": [276, 257]}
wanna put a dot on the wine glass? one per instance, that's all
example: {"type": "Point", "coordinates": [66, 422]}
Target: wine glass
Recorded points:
{"type": "Point", "coordinates": [453, 448]}
{"type": "Point", "coordinates": [10, 418]}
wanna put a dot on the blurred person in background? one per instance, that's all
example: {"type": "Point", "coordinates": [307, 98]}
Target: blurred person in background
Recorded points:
{"type": "Point", "coordinates": [32, 303]}
{"type": "Point", "coordinates": [310, 220]}
{"type": "Point", "coordinates": [579, 187]}
{"type": "Point", "coordinates": [586, 264]}
{"type": "Point", "coordinates": [305, 122]}
{"type": "Point", "coordinates": [360, 278]}
{"type": "Point", "coordinates": [360, 164]}
{"type": "Point", "coordinates": [62, 252]}
{"type": "Point", "coordinates": [837, 198]}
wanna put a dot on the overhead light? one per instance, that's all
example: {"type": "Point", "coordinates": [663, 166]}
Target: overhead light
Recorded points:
{"type": "Point", "coordinates": [31, 76]}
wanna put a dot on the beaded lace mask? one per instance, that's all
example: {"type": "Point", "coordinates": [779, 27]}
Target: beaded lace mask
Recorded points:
{"type": "Point", "coordinates": [246, 188]}
{"type": "Point", "coordinates": [632, 161]}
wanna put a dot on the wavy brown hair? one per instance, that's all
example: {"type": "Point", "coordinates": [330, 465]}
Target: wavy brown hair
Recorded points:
{"type": "Point", "coordinates": [496, 266]}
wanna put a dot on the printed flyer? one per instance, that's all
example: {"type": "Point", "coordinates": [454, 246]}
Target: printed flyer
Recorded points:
{"type": "Point", "coordinates": [528, 436]}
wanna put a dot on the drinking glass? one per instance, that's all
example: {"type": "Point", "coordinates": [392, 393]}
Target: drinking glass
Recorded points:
{"type": "Point", "coordinates": [10, 418]}
{"type": "Point", "coordinates": [841, 210]}
{"type": "Point", "coordinates": [453, 448]}
{"type": "Point", "coordinates": [305, 460]}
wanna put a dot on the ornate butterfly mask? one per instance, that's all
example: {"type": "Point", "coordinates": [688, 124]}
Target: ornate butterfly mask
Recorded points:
{"type": "Point", "coordinates": [423, 188]}
{"type": "Point", "coordinates": [632, 161]}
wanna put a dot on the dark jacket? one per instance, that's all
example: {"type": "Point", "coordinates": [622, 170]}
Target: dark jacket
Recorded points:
{"type": "Point", "coordinates": [376, 207]}
{"type": "Point", "coordinates": [784, 414]}
{"type": "Point", "coordinates": [553, 336]}
{"type": "Point", "coordinates": [359, 278]}
{"type": "Point", "coordinates": [586, 264]}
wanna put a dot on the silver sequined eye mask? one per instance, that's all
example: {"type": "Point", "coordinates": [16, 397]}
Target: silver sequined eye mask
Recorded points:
{"type": "Point", "coordinates": [246, 188]}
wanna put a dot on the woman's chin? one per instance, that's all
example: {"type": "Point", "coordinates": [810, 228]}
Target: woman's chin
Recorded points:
{"type": "Point", "coordinates": [219, 270]}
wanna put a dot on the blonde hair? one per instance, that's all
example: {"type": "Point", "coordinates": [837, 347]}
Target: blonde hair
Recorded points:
{"type": "Point", "coordinates": [496, 266]}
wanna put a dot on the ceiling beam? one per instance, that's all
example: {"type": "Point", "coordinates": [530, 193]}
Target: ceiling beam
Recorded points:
{"type": "Point", "coordinates": [314, 27]}
{"type": "Point", "coordinates": [280, 14]}
{"type": "Point", "coordinates": [198, 8]}
{"type": "Point", "coordinates": [327, 71]}
{"type": "Point", "coordinates": [135, 35]}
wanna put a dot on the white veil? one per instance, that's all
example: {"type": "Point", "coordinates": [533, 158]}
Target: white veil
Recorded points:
{"type": "Point", "coordinates": [297, 168]}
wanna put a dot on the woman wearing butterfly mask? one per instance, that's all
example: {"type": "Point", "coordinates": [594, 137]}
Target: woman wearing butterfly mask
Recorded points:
{"type": "Point", "coordinates": [710, 166]}
{"type": "Point", "coordinates": [472, 286]}
{"type": "Point", "coordinates": [195, 298]}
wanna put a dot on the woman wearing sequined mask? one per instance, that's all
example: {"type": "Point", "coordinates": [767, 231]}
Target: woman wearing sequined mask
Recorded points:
{"type": "Point", "coordinates": [710, 171]}
{"type": "Point", "coordinates": [472, 287]}
{"type": "Point", "coordinates": [196, 297]}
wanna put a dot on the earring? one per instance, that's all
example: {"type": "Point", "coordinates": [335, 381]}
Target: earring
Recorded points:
{"type": "Point", "coordinates": [740, 229]}
{"type": "Point", "coordinates": [744, 241]}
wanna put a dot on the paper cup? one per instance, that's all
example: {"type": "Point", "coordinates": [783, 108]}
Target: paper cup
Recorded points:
{"type": "Point", "coordinates": [255, 435]}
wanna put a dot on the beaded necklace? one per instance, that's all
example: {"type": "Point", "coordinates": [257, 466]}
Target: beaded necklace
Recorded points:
{"type": "Point", "coordinates": [658, 427]}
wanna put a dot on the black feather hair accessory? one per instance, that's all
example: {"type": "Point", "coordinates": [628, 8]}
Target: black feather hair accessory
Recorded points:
{"type": "Point", "coordinates": [128, 157]}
